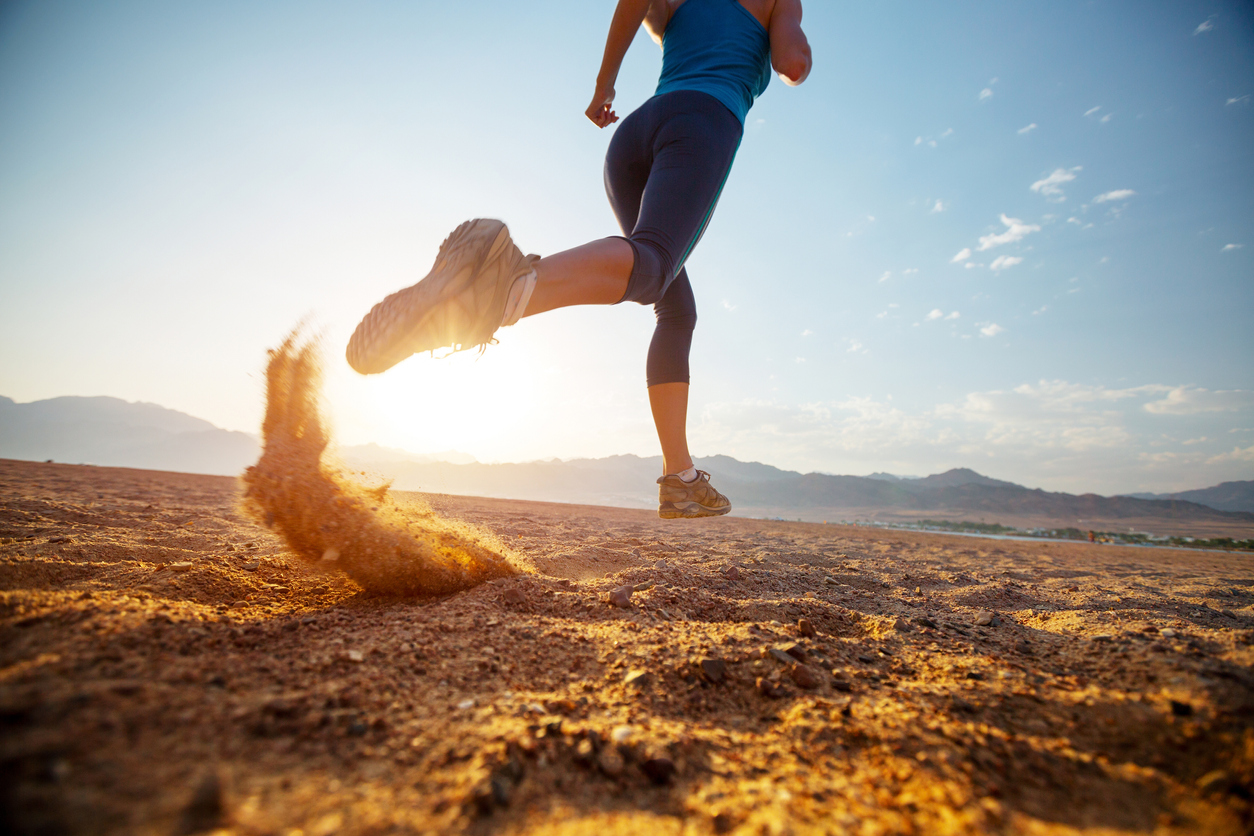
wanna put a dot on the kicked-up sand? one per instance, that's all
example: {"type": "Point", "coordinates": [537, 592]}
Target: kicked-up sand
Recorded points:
{"type": "Point", "coordinates": [168, 665]}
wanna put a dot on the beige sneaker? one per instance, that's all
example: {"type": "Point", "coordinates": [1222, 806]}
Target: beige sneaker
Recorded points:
{"type": "Point", "coordinates": [458, 305]}
{"type": "Point", "coordinates": [678, 499]}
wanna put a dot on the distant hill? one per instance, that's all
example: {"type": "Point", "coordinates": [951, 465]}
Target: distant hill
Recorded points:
{"type": "Point", "coordinates": [110, 431]}
{"type": "Point", "coordinates": [1226, 496]}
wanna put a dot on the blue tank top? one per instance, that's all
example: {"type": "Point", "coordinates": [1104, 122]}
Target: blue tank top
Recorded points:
{"type": "Point", "coordinates": [716, 47]}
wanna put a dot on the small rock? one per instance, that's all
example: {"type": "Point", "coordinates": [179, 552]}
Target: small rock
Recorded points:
{"type": "Point", "coordinates": [1073, 589]}
{"type": "Point", "coordinates": [621, 596]}
{"type": "Point", "coordinates": [182, 566]}
{"type": "Point", "coordinates": [637, 678]}
{"type": "Point", "coordinates": [902, 626]}
{"type": "Point", "coordinates": [781, 656]}
{"type": "Point", "coordinates": [841, 684]}
{"type": "Point", "coordinates": [643, 585]}
{"type": "Point", "coordinates": [866, 660]}
{"type": "Point", "coordinates": [831, 581]}
{"type": "Point", "coordinates": [1105, 638]}
{"type": "Point", "coordinates": [661, 564]}
{"type": "Point", "coordinates": [252, 566]}
{"type": "Point", "coordinates": [1168, 633]}
{"type": "Point", "coordinates": [513, 596]}
{"type": "Point", "coordinates": [805, 628]}
{"type": "Point", "coordinates": [767, 688]}
{"type": "Point", "coordinates": [983, 618]}
{"type": "Point", "coordinates": [1216, 779]}
{"type": "Point", "coordinates": [811, 594]}
{"type": "Point", "coordinates": [797, 652]}
{"type": "Point", "coordinates": [330, 555]}
{"type": "Point", "coordinates": [621, 734]}
{"type": "Point", "coordinates": [918, 590]}
{"type": "Point", "coordinates": [355, 656]}
{"type": "Point", "coordinates": [805, 676]}
{"type": "Point", "coordinates": [611, 763]}
{"type": "Point", "coordinates": [732, 573]}
{"type": "Point", "coordinates": [658, 770]}
{"type": "Point", "coordinates": [465, 704]}
{"type": "Point", "coordinates": [1181, 709]}
{"type": "Point", "coordinates": [925, 622]}
{"type": "Point", "coordinates": [714, 670]}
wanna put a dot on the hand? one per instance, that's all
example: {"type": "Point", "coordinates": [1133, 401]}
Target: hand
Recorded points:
{"type": "Point", "coordinates": [601, 110]}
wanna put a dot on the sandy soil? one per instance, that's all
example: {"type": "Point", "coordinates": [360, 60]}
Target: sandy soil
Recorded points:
{"type": "Point", "coordinates": [166, 666]}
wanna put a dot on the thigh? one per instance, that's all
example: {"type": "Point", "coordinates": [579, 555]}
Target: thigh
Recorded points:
{"type": "Point", "coordinates": [627, 163]}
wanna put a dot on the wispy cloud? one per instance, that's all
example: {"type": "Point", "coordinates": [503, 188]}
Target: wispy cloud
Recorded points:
{"type": "Point", "coordinates": [1206, 25]}
{"type": "Point", "coordinates": [1027, 129]}
{"type": "Point", "coordinates": [1004, 261]}
{"type": "Point", "coordinates": [909, 271]}
{"type": "Point", "coordinates": [1106, 118]}
{"type": "Point", "coordinates": [728, 305]}
{"type": "Point", "coordinates": [1051, 186]}
{"type": "Point", "coordinates": [1242, 100]}
{"type": "Point", "coordinates": [888, 274]}
{"type": "Point", "coordinates": [1092, 110]}
{"type": "Point", "coordinates": [1231, 247]}
{"type": "Point", "coordinates": [1042, 309]}
{"type": "Point", "coordinates": [1117, 194]}
{"type": "Point", "coordinates": [807, 332]}
{"type": "Point", "coordinates": [1193, 400]}
{"type": "Point", "coordinates": [963, 255]}
{"type": "Point", "coordinates": [938, 206]}
{"type": "Point", "coordinates": [992, 329]}
{"type": "Point", "coordinates": [953, 315]}
{"type": "Point", "coordinates": [855, 347]}
{"type": "Point", "coordinates": [986, 93]}
{"type": "Point", "coordinates": [935, 313]}
{"type": "Point", "coordinates": [1016, 230]}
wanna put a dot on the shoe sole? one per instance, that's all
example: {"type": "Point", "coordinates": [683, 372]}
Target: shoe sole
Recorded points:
{"type": "Point", "coordinates": [388, 334]}
{"type": "Point", "coordinates": [688, 510]}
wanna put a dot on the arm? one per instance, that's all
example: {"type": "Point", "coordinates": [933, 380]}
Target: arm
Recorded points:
{"type": "Point", "coordinates": [627, 19]}
{"type": "Point", "coordinates": [790, 51]}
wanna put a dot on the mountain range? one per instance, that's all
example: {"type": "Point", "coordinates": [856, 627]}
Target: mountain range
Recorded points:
{"type": "Point", "coordinates": [110, 431]}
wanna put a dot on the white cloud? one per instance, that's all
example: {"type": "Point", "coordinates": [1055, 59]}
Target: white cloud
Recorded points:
{"type": "Point", "coordinates": [918, 140]}
{"type": "Point", "coordinates": [1237, 455]}
{"type": "Point", "coordinates": [881, 314]}
{"type": "Point", "coordinates": [1231, 247]}
{"type": "Point", "coordinates": [1016, 231]}
{"type": "Point", "coordinates": [909, 271]}
{"type": "Point", "coordinates": [807, 332]}
{"type": "Point", "coordinates": [953, 315]}
{"type": "Point", "coordinates": [728, 305]}
{"type": "Point", "coordinates": [992, 329]}
{"type": "Point", "coordinates": [854, 347]}
{"type": "Point", "coordinates": [1092, 110]}
{"type": "Point", "coordinates": [1027, 129]}
{"type": "Point", "coordinates": [935, 313]}
{"type": "Point", "coordinates": [1042, 309]}
{"type": "Point", "coordinates": [799, 360]}
{"type": "Point", "coordinates": [938, 207]}
{"type": "Point", "coordinates": [947, 132]}
{"type": "Point", "coordinates": [1051, 186]}
{"type": "Point", "coordinates": [1106, 118]}
{"type": "Point", "coordinates": [888, 274]}
{"type": "Point", "coordinates": [1239, 100]}
{"type": "Point", "coordinates": [1206, 25]}
{"type": "Point", "coordinates": [961, 256]}
{"type": "Point", "coordinates": [986, 93]}
{"type": "Point", "coordinates": [1004, 261]}
{"type": "Point", "coordinates": [1192, 400]}
{"type": "Point", "coordinates": [1117, 194]}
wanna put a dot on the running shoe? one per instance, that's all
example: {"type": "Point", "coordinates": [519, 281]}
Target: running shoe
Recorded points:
{"type": "Point", "coordinates": [678, 499]}
{"type": "Point", "coordinates": [458, 305]}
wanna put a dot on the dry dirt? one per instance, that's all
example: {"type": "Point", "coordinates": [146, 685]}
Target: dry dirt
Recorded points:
{"type": "Point", "coordinates": [167, 666]}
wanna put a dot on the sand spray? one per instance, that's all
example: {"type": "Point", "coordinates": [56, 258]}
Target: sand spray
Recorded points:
{"type": "Point", "coordinates": [328, 519]}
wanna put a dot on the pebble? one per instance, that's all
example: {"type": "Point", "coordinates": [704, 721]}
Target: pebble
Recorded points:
{"type": "Point", "coordinates": [714, 670]}
{"type": "Point", "coordinates": [805, 628]}
{"type": "Point", "coordinates": [767, 688]}
{"type": "Point", "coordinates": [902, 626]}
{"type": "Point", "coordinates": [984, 619]}
{"type": "Point", "coordinates": [732, 573]}
{"type": "Point", "coordinates": [1214, 780]}
{"type": "Point", "coordinates": [183, 566]}
{"type": "Point", "coordinates": [831, 581]}
{"type": "Point", "coordinates": [811, 594]}
{"type": "Point", "coordinates": [781, 656]}
{"type": "Point", "coordinates": [621, 734]}
{"type": "Point", "coordinates": [638, 678]}
{"type": "Point", "coordinates": [797, 652]}
{"type": "Point", "coordinates": [643, 585]}
{"type": "Point", "coordinates": [805, 676]}
{"type": "Point", "coordinates": [1181, 709]}
{"type": "Point", "coordinates": [925, 622]}
{"type": "Point", "coordinates": [513, 596]}
{"type": "Point", "coordinates": [355, 656]}
{"type": "Point", "coordinates": [465, 704]}
{"type": "Point", "coordinates": [611, 763]}
{"type": "Point", "coordinates": [1168, 633]}
{"type": "Point", "coordinates": [252, 566]}
{"type": "Point", "coordinates": [621, 596]}
{"type": "Point", "coordinates": [1104, 637]}
{"type": "Point", "coordinates": [658, 770]}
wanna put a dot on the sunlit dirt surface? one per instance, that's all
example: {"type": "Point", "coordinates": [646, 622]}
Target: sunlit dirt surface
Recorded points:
{"type": "Point", "coordinates": [166, 666]}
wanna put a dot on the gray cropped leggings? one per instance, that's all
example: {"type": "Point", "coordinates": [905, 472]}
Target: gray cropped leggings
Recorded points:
{"type": "Point", "coordinates": [664, 171]}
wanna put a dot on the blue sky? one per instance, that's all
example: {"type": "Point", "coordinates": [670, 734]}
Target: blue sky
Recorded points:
{"type": "Point", "coordinates": [1012, 237]}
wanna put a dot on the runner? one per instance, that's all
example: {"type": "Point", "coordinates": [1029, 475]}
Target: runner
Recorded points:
{"type": "Point", "coordinates": [664, 170]}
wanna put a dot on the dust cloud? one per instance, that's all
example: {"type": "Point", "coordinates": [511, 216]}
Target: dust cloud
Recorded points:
{"type": "Point", "coordinates": [332, 521]}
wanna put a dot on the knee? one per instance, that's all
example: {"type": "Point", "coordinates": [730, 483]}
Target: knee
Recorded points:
{"type": "Point", "coordinates": [652, 274]}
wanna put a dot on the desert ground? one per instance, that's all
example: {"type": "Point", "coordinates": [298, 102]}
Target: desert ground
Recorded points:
{"type": "Point", "coordinates": [167, 666]}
